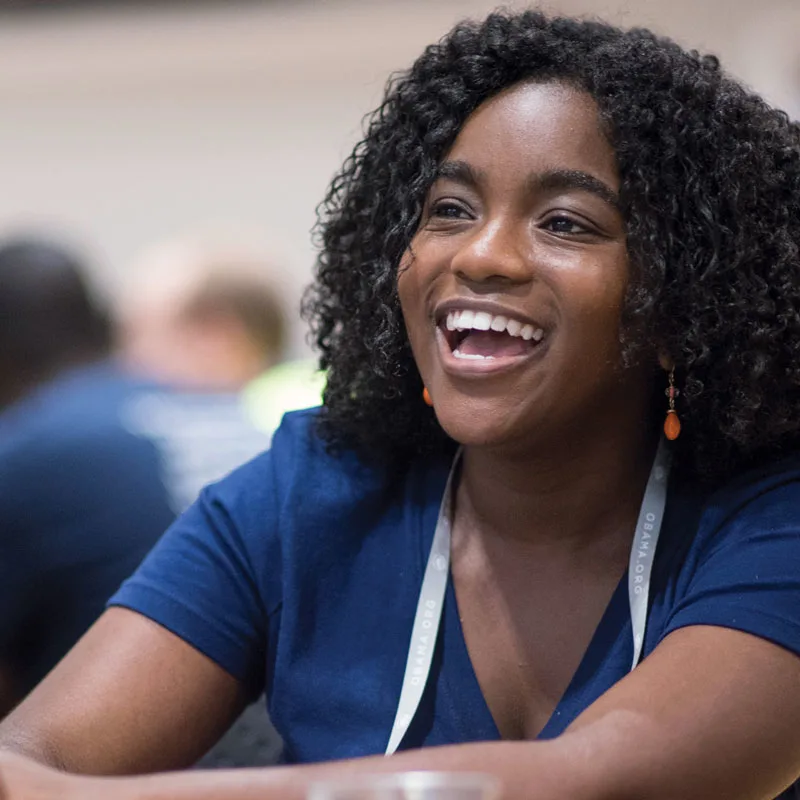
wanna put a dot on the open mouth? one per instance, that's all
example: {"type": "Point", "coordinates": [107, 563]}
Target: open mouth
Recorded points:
{"type": "Point", "coordinates": [480, 336]}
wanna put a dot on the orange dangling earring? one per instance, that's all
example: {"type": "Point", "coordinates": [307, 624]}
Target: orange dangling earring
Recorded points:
{"type": "Point", "coordinates": [672, 425]}
{"type": "Point", "coordinates": [426, 396]}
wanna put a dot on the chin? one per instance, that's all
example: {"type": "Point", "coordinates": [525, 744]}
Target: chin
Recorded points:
{"type": "Point", "coordinates": [473, 427]}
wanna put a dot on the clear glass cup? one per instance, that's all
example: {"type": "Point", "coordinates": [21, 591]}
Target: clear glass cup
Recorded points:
{"type": "Point", "coordinates": [409, 786]}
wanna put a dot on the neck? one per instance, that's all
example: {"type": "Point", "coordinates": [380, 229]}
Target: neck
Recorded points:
{"type": "Point", "coordinates": [570, 494]}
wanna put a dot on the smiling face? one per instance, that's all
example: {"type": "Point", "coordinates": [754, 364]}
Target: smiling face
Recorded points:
{"type": "Point", "coordinates": [513, 287]}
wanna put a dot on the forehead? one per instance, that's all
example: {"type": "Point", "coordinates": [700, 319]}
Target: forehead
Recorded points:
{"type": "Point", "coordinates": [535, 127]}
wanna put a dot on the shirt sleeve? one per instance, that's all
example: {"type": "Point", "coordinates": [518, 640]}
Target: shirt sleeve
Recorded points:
{"type": "Point", "coordinates": [747, 575]}
{"type": "Point", "coordinates": [212, 578]}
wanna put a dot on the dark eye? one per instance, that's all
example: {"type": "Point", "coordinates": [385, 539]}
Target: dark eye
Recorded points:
{"type": "Point", "coordinates": [565, 225]}
{"type": "Point", "coordinates": [447, 209]}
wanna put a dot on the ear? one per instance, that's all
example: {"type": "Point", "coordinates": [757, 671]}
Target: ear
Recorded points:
{"type": "Point", "coordinates": [666, 361]}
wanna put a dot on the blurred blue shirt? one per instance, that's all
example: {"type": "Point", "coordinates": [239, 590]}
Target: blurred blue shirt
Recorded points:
{"type": "Point", "coordinates": [94, 466]}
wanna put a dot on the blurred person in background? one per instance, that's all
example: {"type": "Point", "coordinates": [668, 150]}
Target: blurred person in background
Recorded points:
{"type": "Point", "coordinates": [95, 460]}
{"type": "Point", "coordinates": [201, 314]}
{"type": "Point", "coordinates": [81, 497]}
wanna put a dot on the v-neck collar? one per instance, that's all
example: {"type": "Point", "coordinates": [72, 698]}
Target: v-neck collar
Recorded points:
{"type": "Point", "coordinates": [608, 653]}
{"type": "Point", "coordinates": [463, 694]}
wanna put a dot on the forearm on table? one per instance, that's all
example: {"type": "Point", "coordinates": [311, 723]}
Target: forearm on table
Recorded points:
{"type": "Point", "coordinates": [624, 756]}
{"type": "Point", "coordinates": [527, 770]}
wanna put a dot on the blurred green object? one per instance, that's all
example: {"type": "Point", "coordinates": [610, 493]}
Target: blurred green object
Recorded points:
{"type": "Point", "coordinates": [289, 386]}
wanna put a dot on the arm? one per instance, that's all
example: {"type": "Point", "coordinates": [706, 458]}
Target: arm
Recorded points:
{"type": "Point", "coordinates": [711, 713]}
{"type": "Point", "coordinates": [130, 697]}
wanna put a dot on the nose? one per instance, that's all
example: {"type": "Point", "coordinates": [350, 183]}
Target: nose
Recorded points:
{"type": "Point", "coordinates": [494, 252]}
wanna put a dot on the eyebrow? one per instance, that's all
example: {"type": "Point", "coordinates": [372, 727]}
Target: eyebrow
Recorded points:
{"type": "Point", "coordinates": [565, 179]}
{"type": "Point", "coordinates": [460, 172]}
{"type": "Point", "coordinates": [549, 181]}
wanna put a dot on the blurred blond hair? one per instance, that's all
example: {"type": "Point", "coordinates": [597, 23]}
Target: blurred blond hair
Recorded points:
{"type": "Point", "coordinates": [202, 310]}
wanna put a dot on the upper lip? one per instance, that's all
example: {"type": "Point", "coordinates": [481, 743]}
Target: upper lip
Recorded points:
{"type": "Point", "coordinates": [443, 308]}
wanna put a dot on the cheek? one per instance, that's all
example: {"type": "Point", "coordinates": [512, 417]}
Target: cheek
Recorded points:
{"type": "Point", "coordinates": [598, 292]}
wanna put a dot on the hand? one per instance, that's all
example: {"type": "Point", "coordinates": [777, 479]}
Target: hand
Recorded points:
{"type": "Point", "coordinates": [24, 779]}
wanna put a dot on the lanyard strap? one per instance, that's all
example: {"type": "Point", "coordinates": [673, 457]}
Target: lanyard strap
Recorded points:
{"type": "Point", "coordinates": [643, 549]}
{"type": "Point", "coordinates": [434, 583]}
{"type": "Point", "coordinates": [426, 620]}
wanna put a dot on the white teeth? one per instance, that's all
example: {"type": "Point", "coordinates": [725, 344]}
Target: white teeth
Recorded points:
{"type": "Point", "coordinates": [513, 327]}
{"type": "Point", "coordinates": [465, 320]}
{"type": "Point", "coordinates": [484, 321]}
{"type": "Point", "coordinates": [471, 356]}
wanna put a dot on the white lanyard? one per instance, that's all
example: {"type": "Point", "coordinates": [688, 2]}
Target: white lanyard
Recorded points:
{"type": "Point", "coordinates": [434, 584]}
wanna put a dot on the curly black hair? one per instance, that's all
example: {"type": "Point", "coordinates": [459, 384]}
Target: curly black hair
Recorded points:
{"type": "Point", "coordinates": [710, 191]}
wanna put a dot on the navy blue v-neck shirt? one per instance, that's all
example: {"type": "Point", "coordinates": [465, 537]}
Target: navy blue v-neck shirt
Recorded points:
{"type": "Point", "coordinates": [300, 574]}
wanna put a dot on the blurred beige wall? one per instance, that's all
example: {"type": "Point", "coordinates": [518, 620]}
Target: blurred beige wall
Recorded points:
{"type": "Point", "coordinates": [120, 128]}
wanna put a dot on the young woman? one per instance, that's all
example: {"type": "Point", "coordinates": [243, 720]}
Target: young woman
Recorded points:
{"type": "Point", "coordinates": [548, 516]}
